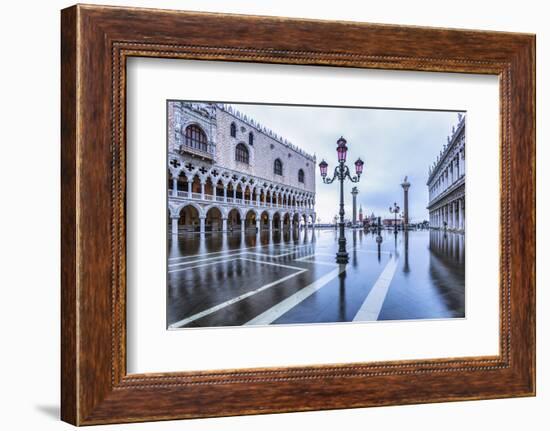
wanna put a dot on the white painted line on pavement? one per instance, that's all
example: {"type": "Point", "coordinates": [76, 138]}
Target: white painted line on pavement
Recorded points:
{"type": "Point", "coordinates": [204, 264]}
{"type": "Point", "coordinates": [218, 307]}
{"type": "Point", "coordinates": [370, 309]}
{"type": "Point", "coordinates": [272, 314]}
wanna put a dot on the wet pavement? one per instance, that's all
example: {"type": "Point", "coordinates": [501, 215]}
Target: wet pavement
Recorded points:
{"type": "Point", "coordinates": [234, 279]}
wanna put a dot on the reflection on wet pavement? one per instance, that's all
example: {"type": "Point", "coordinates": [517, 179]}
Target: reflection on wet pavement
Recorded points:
{"type": "Point", "coordinates": [233, 279]}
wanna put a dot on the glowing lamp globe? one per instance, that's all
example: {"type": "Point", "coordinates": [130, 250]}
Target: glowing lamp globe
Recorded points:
{"type": "Point", "coordinates": [359, 167]}
{"type": "Point", "coordinates": [323, 167]}
{"type": "Point", "coordinates": [341, 149]}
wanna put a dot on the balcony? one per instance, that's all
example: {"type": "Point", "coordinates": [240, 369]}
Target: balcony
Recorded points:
{"type": "Point", "coordinates": [184, 195]}
{"type": "Point", "coordinates": [197, 152]}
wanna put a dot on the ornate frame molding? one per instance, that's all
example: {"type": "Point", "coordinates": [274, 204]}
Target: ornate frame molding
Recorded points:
{"type": "Point", "coordinates": [97, 41]}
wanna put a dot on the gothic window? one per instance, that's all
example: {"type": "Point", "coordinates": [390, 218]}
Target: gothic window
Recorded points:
{"type": "Point", "coordinates": [278, 167]}
{"type": "Point", "coordinates": [250, 139]}
{"type": "Point", "coordinates": [233, 130]}
{"type": "Point", "coordinates": [301, 176]}
{"type": "Point", "coordinates": [195, 138]}
{"type": "Point", "coordinates": [241, 153]}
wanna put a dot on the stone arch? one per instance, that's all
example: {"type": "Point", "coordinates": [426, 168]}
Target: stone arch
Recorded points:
{"type": "Point", "coordinates": [264, 220]}
{"type": "Point", "coordinates": [250, 218]}
{"type": "Point", "coordinates": [234, 218]}
{"type": "Point", "coordinates": [286, 221]}
{"type": "Point", "coordinates": [208, 187]}
{"type": "Point", "coordinates": [213, 219]}
{"type": "Point", "coordinates": [219, 185]}
{"type": "Point", "coordinates": [196, 183]}
{"type": "Point", "coordinates": [189, 123]}
{"type": "Point", "coordinates": [183, 183]}
{"type": "Point", "coordinates": [223, 210]}
{"type": "Point", "coordinates": [276, 220]}
{"type": "Point", "coordinates": [295, 220]}
{"type": "Point", "coordinates": [179, 208]}
{"type": "Point", "coordinates": [189, 217]}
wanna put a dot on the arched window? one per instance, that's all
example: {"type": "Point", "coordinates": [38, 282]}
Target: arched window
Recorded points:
{"type": "Point", "coordinates": [195, 138]}
{"type": "Point", "coordinates": [241, 153]}
{"type": "Point", "coordinates": [250, 139]}
{"type": "Point", "coordinates": [278, 167]}
{"type": "Point", "coordinates": [301, 176]}
{"type": "Point", "coordinates": [233, 130]}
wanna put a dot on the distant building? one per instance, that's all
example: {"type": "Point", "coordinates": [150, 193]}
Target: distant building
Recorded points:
{"type": "Point", "coordinates": [446, 183]}
{"type": "Point", "coordinates": [390, 222]}
{"type": "Point", "coordinates": [227, 172]}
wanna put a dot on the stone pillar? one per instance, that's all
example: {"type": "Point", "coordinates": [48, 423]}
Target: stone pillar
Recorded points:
{"type": "Point", "coordinates": [270, 222]}
{"type": "Point", "coordinates": [202, 220]}
{"type": "Point", "coordinates": [175, 187]}
{"type": "Point", "coordinates": [224, 224]}
{"type": "Point", "coordinates": [189, 189]}
{"type": "Point", "coordinates": [202, 190]}
{"type": "Point", "coordinates": [406, 185]}
{"type": "Point", "coordinates": [225, 194]}
{"type": "Point", "coordinates": [354, 193]}
{"type": "Point", "coordinates": [234, 193]}
{"type": "Point", "coordinates": [243, 221]}
{"type": "Point", "coordinates": [258, 226]}
{"type": "Point", "coordinates": [460, 218]}
{"type": "Point", "coordinates": [175, 225]}
{"type": "Point", "coordinates": [281, 221]}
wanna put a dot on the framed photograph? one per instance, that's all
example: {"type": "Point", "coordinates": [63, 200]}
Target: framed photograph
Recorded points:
{"type": "Point", "coordinates": [264, 215]}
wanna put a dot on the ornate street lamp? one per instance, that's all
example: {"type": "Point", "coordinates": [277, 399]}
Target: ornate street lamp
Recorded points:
{"type": "Point", "coordinates": [341, 172]}
{"type": "Point", "coordinates": [395, 210]}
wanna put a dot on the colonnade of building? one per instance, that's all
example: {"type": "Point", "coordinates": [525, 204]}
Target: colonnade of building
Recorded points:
{"type": "Point", "coordinates": [238, 192]}
{"type": "Point", "coordinates": [450, 215]}
{"type": "Point", "coordinates": [193, 217]}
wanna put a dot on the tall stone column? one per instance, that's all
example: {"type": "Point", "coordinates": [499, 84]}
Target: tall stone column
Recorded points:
{"type": "Point", "coordinates": [225, 194]}
{"type": "Point", "coordinates": [460, 218]}
{"type": "Point", "coordinates": [258, 225]}
{"type": "Point", "coordinates": [354, 193]}
{"type": "Point", "coordinates": [175, 187]}
{"type": "Point", "coordinates": [202, 190]}
{"type": "Point", "coordinates": [202, 220]}
{"type": "Point", "coordinates": [224, 224]}
{"type": "Point", "coordinates": [175, 226]}
{"type": "Point", "coordinates": [243, 221]}
{"type": "Point", "coordinates": [406, 185]}
{"type": "Point", "coordinates": [189, 188]}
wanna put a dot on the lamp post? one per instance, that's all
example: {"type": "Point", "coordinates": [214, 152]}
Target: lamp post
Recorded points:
{"type": "Point", "coordinates": [341, 172]}
{"type": "Point", "coordinates": [395, 210]}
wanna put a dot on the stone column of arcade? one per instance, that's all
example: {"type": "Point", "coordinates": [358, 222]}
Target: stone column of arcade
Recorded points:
{"type": "Point", "coordinates": [175, 186]}
{"type": "Point", "coordinates": [175, 220]}
{"type": "Point", "coordinates": [202, 220]}
{"type": "Point", "coordinates": [224, 224]}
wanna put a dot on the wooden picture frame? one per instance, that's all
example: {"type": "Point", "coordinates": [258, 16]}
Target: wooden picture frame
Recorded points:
{"type": "Point", "coordinates": [95, 43]}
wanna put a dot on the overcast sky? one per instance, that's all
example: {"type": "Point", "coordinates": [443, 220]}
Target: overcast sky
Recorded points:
{"type": "Point", "coordinates": [392, 143]}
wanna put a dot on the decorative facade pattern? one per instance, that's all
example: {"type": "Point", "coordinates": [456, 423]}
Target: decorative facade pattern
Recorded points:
{"type": "Point", "coordinates": [446, 183]}
{"type": "Point", "coordinates": [226, 172]}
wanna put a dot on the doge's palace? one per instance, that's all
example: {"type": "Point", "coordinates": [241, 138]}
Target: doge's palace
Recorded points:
{"type": "Point", "coordinates": [226, 172]}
